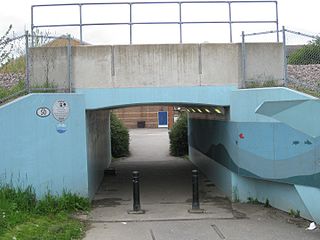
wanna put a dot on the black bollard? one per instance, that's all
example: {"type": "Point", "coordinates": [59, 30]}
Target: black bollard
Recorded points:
{"type": "Point", "coordinates": [136, 194]}
{"type": "Point", "coordinates": [195, 193]}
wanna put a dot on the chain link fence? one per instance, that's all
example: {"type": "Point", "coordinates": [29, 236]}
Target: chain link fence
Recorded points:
{"type": "Point", "coordinates": [16, 77]}
{"type": "Point", "coordinates": [13, 78]}
{"type": "Point", "coordinates": [303, 61]}
{"type": "Point", "coordinates": [300, 61]}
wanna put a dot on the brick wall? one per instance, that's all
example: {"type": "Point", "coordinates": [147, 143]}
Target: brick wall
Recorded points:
{"type": "Point", "coordinates": [131, 115]}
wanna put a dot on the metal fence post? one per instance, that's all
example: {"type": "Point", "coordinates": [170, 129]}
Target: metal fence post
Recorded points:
{"type": "Point", "coordinates": [243, 61]}
{"type": "Point", "coordinates": [69, 63]}
{"type": "Point", "coordinates": [27, 83]}
{"type": "Point", "coordinates": [32, 26]}
{"type": "Point", "coordinates": [285, 57]}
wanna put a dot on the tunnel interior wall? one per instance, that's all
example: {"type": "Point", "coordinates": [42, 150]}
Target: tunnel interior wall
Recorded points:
{"type": "Point", "coordinates": [98, 147]}
{"type": "Point", "coordinates": [256, 156]}
{"type": "Point", "coordinates": [40, 151]}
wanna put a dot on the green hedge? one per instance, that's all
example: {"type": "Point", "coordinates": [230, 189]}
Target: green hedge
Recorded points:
{"type": "Point", "coordinates": [309, 54]}
{"type": "Point", "coordinates": [119, 137]}
{"type": "Point", "coordinates": [179, 137]}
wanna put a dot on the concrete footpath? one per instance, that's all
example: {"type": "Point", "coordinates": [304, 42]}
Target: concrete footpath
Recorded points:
{"type": "Point", "coordinates": [166, 197]}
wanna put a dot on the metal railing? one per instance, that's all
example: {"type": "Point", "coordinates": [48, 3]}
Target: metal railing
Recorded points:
{"type": "Point", "coordinates": [179, 22]}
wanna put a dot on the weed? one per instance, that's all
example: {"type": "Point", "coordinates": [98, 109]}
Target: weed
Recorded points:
{"type": "Point", "coordinates": [67, 202]}
{"type": "Point", "coordinates": [261, 84]}
{"type": "Point", "coordinates": [45, 87]}
{"type": "Point", "coordinates": [235, 194]}
{"type": "Point", "coordinates": [186, 157]}
{"type": "Point", "coordinates": [267, 203]}
{"type": "Point", "coordinates": [307, 91]}
{"type": "Point", "coordinates": [294, 213]}
{"type": "Point", "coordinates": [253, 200]}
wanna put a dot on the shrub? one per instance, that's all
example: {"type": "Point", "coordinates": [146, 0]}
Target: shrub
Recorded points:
{"type": "Point", "coordinates": [179, 137]}
{"type": "Point", "coordinates": [309, 54]}
{"type": "Point", "coordinates": [119, 137]}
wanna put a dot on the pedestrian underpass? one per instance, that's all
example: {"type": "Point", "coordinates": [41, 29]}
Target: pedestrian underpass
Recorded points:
{"type": "Point", "coordinates": [264, 143]}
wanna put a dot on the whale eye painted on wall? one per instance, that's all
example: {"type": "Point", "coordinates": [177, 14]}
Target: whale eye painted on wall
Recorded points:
{"type": "Point", "coordinates": [295, 142]}
{"type": "Point", "coordinates": [241, 136]}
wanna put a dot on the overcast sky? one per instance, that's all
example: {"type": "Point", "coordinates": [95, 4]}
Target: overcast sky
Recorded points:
{"type": "Point", "coordinates": [297, 15]}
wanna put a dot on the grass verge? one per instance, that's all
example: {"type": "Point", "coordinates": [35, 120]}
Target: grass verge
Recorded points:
{"type": "Point", "coordinates": [22, 216]}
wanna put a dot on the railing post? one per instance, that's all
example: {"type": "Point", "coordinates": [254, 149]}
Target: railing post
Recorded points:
{"type": "Point", "coordinates": [243, 61]}
{"type": "Point", "coordinates": [230, 21]}
{"type": "Point", "coordinates": [69, 63]}
{"type": "Point", "coordinates": [27, 83]}
{"type": "Point", "coordinates": [180, 23]}
{"type": "Point", "coordinates": [80, 15]}
{"type": "Point", "coordinates": [277, 21]}
{"type": "Point", "coordinates": [130, 6]}
{"type": "Point", "coordinates": [285, 57]}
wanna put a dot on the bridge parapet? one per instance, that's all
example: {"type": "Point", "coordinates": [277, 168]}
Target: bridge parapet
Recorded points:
{"type": "Point", "coordinates": [165, 65]}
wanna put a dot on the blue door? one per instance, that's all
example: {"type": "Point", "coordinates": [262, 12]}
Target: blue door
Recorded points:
{"type": "Point", "coordinates": [162, 119]}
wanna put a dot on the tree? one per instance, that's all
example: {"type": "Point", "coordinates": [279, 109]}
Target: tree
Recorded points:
{"type": "Point", "coordinates": [5, 46]}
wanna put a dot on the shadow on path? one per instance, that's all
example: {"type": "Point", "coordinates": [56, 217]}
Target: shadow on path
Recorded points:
{"type": "Point", "coordinates": [165, 185]}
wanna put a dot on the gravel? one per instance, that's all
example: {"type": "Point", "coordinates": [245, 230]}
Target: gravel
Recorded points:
{"type": "Point", "coordinates": [307, 76]}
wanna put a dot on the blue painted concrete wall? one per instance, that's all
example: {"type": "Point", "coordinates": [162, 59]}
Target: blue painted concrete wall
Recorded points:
{"type": "Point", "coordinates": [34, 153]}
{"type": "Point", "coordinates": [259, 156]}
{"type": "Point", "coordinates": [98, 147]}
{"type": "Point", "coordinates": [261, 151]}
